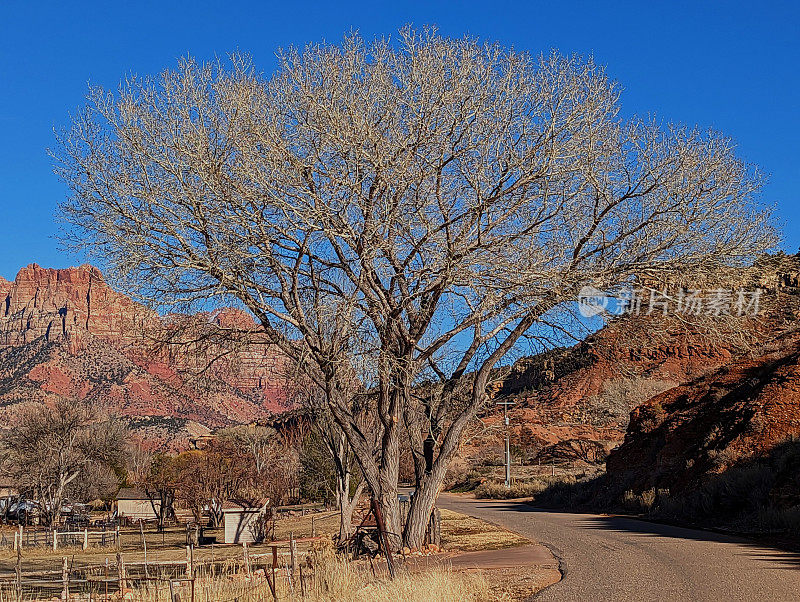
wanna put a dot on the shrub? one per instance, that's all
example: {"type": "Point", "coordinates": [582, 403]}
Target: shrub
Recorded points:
{"type": "Point", "coordinates": [641, 502]}
{"type": "Point", "coordinates": [497, 491]}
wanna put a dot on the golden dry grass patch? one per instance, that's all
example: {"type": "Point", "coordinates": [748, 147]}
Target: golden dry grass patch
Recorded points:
{"type": "Point", "coordinates": [462, 532]}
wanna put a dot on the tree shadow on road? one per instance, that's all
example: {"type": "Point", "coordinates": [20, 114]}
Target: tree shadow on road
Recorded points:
{"type": "Point", "coordinates": [781, 555]}
{"type": "Point", "coordinates": [768, 551]}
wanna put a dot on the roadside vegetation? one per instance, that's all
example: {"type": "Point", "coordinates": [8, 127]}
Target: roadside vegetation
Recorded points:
{"type": "Point", "coordinates": [486, 481]}
{"type": "Point", "coordinates": [331, 578]}
{"type": "Point", "coordinates": [327, 575]}
{"type": "Point", "coordinates": [758, 496]}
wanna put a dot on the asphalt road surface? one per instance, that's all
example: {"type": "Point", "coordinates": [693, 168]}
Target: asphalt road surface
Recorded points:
{"type": "Point", "coordinates": [617, 558]}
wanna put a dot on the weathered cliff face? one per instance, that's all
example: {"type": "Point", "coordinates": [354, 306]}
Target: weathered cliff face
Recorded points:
{"type": "Point", "coordinates": [70, 304]}
{"type": "Point", "coordinates": [567, 399]}
{"type": "Point", "coordinates": [723, 448]}
{"type": "Point", "coordinates": [704, 427]}
{"type": "Point", "coordinates": [574, 403]}
{"type": "Point", "coordinates": [67, 333]}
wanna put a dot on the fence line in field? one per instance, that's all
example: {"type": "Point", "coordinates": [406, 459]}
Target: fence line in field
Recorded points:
{"type": "Point", "coordinates": [54, 538]}
{"type": "Point", "coordinates": [255, 576]}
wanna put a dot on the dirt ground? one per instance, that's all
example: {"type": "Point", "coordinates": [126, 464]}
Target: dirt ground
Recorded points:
{"type": "Point", "coordinates": [512, 578]}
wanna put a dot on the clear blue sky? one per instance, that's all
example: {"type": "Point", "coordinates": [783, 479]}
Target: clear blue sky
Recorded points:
{"type": "Point", "coordinates": [731, 65]}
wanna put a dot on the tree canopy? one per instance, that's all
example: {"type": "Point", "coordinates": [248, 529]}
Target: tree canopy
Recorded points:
{"type": "Point", "coordinates": [414, 206]}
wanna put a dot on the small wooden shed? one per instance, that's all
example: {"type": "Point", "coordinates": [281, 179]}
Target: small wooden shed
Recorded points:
{"type": "Point", "coordinates": [134, 504]}
{"type": "Point", "coordinates": [244, 520]}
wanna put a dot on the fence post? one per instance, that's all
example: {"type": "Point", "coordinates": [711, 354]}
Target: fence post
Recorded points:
{"type": "Point", "coordinates": [274, 585]}
{"type": "Point", "coordinates": [188, 561]}
{"type": "Point", "coordinates": [313, 530]}
{"type": "Point", "coordinates": [434, 533]}
{"type": "Point", "coordinates": [121, 573]}
{"type": "Point", "coordinates": [18, 568]}
{"type": "Point", "coordinates": [65, 579]}
{"type": "Point", "coordinates": [246, 557]}
{"type": "Point", "coordinates": [293, 552]}
{"type": "Point", "coordinates": [55, 539]}
{"type": "Point", "coordinates": [144, 545]}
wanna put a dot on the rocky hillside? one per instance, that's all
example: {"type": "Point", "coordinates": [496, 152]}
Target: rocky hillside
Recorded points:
{"type": "Point", "coordinates": [585, 393]}
{"type": "Point", "coordinates": [722, 450]}
{"type": "Point", "coordinates": [67, 333]}
{"type": "Point", "coordinates": [709, 425]}
{"type": "Point", "coordinates": [575, 403]}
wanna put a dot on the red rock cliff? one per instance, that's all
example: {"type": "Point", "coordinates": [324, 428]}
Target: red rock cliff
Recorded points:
{"type": "Point", "coordinates": [65, 332]}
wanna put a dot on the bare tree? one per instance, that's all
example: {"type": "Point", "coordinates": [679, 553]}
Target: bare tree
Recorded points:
{"type": "Point", "coordinates": [209, 477]}
{"type": "Point", "coordinates": [138, 461]}
{"type": "Point", "coordinates": [438, 198]}
{"type": "Point", "coordinates": [349, 484]}
{"type": "Point", "coordinates": [160, 484]}
{"type": "Point", "coordinates": [270, 456]}
{"type": "Point", "coordinates": [52, 453]}
{"type": "Point", "coordinates": [261, 443]}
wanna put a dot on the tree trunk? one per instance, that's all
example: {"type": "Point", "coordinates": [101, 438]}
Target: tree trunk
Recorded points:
{"type": "Point", "coordinates": [215, 514]}
{"type": "Point", "coordinates": [390, 507]}
{"type": "Point", "coordinates": [381, 476]}
{"type": "Point", "coordinates": [422, 503]}
{"type": "Point", "coordinates": [342, 503]}
{"type": "Point", "coordinates": [347, 506]}
{"type": "Point", "coordinates": [388, 478]}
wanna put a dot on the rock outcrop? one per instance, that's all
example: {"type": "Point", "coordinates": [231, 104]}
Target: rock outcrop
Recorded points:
{"type": "Point", "coordinates": [724, 448]}
{"type": "Point", "coordinates": [709, 425]}
{"type": "Point", "coordinates": [585, 394]}
{"type": "Point", "coordinates": [67, 333]}
{"type": "Point", "coordinates": [580, 398]}
{"type": "Point", "coordinates": [70, 304]}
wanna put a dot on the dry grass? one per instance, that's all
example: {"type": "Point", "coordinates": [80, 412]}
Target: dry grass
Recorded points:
{"type": "Point", "coordinates": [468, 534]}
{"type": "Point", "coordinates": [335, 579]}
{"type": "Point", "coordinates": [332, 578]}
{"type": "Point", "coordinates": [498, 491]}
{"type": "Point", "coordinates": [324, 523]}
{"type": "Point", "coordinates": [431, 586]}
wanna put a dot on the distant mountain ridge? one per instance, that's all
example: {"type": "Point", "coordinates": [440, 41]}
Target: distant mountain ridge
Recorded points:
{"type": "Point", "coordinates": [65, 332]}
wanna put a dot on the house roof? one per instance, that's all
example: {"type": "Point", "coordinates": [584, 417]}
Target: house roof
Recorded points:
{"type": "Point", "coordinates": [131, 493]}
{"type": "Point", "coordinates": [244, 505]}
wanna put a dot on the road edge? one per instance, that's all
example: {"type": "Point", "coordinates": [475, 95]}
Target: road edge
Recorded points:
{"type": "Point", "coordinates": [554, 553]}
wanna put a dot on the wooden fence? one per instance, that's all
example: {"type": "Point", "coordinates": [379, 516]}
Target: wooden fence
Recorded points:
{"type": "Point", "coordinates": [254, 577]}
{"type": "Point", "coordinates": [58, 539]}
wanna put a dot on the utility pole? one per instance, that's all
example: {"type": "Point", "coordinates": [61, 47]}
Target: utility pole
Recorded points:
{"type": "Point", "coordinates": [505, 403]}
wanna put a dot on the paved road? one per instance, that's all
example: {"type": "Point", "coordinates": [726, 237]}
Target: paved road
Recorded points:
{"type": "Point", "coordinates": [616, 558]}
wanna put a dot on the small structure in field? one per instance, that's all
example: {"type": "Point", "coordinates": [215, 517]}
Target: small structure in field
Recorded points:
{"type": "Point", "coordinates": [134, 504]}
{"type": "Point", "coordinates": [245, 521]}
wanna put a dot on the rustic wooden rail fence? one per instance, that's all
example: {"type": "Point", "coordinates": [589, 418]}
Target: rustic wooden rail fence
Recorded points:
{"type": "Point", "coordinates": [184, 580]}
{"type": "Point", "coordinates": [32, 537]}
